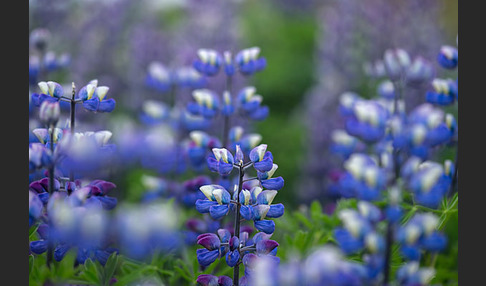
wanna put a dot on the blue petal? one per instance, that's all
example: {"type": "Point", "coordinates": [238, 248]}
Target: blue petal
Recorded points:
{"type": "Point", "coordinates": [91, 104]}
{"type": "Point", "coordinates": [232, 258]}
{"type": "Point", "coordinates": [107, 105]}
{"type": "Point", "coordinates": [246, 212]}
{"type": "Point", "coordinates": [218, 211]}
{"type": "Point", "coordinates": [273, 183]}
{"type": "Point", "coordinates": [60, 251]}
{"type": "Point", "coordinates": [206, 257]}
{"type": "Point", "coordinates": [203, 206]}
{"type": "Point", "coordinates": [275, 211]}
{"type": "Point", "coordinates": [266, 226]}
{"type": "Point", "coordinates": [39, 246]}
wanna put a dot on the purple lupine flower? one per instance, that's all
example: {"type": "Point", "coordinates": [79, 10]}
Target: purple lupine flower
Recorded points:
{"type": "Point", "coordinates": [211, 280]}
{"type": "Point", "coordinates": [250, 103]}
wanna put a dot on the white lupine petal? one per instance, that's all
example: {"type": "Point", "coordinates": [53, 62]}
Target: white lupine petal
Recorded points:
{"type": "Point", "coordinates": [197, 136]}
{"type": "Point", "coordinates": [101, 91]}
{"type": "Point", "coordinates": [207, 190]}
{"type": "Point", "coordinates": [90, 88]}
{"type": "Point", "coordinates": [43, 87]}
{"type": "Point", "coordinates": [218, 195]}
{"type": "Point", "coordinates": [272, 171]}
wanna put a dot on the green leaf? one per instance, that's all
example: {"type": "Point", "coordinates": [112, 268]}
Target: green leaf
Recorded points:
{"type": "Point", "coordinates": [110, 267]}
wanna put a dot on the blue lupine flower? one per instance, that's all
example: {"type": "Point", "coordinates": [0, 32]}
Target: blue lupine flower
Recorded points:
{"type": "Point", "coordinates": [344, 144]}
{"type": "Point", "coordinates": [363, 179]}
{"type": "Point", "coordinates": [249, 62]}
{"type": "Point", "coordinates": [217, 202]}
{"type": "Point", "coordinates": [351, 237]}
{"type": "Point", "coordinates": [246, 142]}
{"type": "Point", "coordinates": [229, 67]}
{"type": "Point", "coordinates": [222, 162]}
{"type": "Point", "coordinates": [158, 77]}
{"type": "Point", "coordinates": [261, 158]}
{"type": "Point", "coordinates": [447, 57]}
{"type": "Point", "coordinates": [94, 97]}
{"type": "Point", "coordinates": [386, 89]}
{"type": "Point", "coordinates": [188, 77]}
{"type": "Point", "coordinates": [206, 103]}
{"type": "Point", "coordinates": [43, 136]}
{"type": "Point", "coordinates": [250, 103]}
{"type": "Point", "coordinates": [211, 280]}
{"type": "Point", "coordinates": [419, 71]}
{"type": "Point", "coordinates": [50, 91]}
{"type": "Point", "coordinates": [411, 274]}
{"type": "Point", "coordinates": [396, 62]}
{"type": "Point", "coordinates": [367, 121]}
{"type": "Point", "coordinates": [444, 92]}
{"type": "Point", "coordinates": [53, 62]}
{"type": "Point", "coordinates": [154, 112]}
{"type": "Point", "coordinates": [420, 233]}
{"type": "Point", "coordinates": [198, 147]}
{"type": "Point", "coordinates": [211, 251]}
{"type": "Point", "coordinates": [228, 108]}
{"type": "Point", "coordinates": [191, 193]}
{"type": "Point", "coordinates": [35, 208]}
{"type": "Point", "coordinates": [141, 230]}
{"type": "Point", "coordinates": [233, 254]}
{"type": "Point", "coordinates": [429, 183]}
{"type": "Point", "coordinates": [40, 156]}
{"type": "Point", "coordinates": [346, 103]}
{"type": "Point", "coordinates": [208, 63]}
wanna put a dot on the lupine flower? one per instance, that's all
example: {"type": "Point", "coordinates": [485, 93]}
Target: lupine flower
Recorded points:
{"type": "Point", "coordinates": [249, 62]}
{"type": "Point", "coordinates": [412, 274]}
{"type": "Point", "coordinates": [419, 71]}
{"type": "Point", "coordinates": [206, 105]}
{"type": "Point", "coordinates": [50, 91]}
{"type": "Point", "coordinates": [367, 121]}
{"type": "Point", "coordinates": [208, 63]}
{"type": "Point", "coordinates": [188, 77]}
{"type": "Point", "coordinates": [217, 202]}
{"type": "Point", "coordinates": [35, 208]}
{"type": "Point", "coordinates": [140, 231]}
{"type": "Point", "coordinates": [94, 97]}
{"type": "Point", "coordinates": [211, 251]}
{"type": "Point", "coordinates": [154, 112]}
{"type": "Point", "coordinates": [158, 77]}
{"type": "Point", "coordinates": [43, 136]}
{"type": "Point", "coordinates": [344, 144]}
{"type": "Point", "coordinates": [229, 67]}
{"type": "Point", "coordinates": [261, 158]}
{"type": "Point", "coordinates": [250, 103]}
{"type": "Point", "coordinates": [444, 92]}
{"type": "Point", "coordinates": [420, 233]}
{"type": "Point", "coordinates": [363, 178]}
{"type": "Point", "coordinates": [41, 188]}
{"type": "Point", "coordinates": [227, 108]}
{"type": "Point", "coordinates": [198, 146]}
{"type": "Point", "coordinates": [222, 162]}
{"type": "Point", "coordinates": [396, 61]}
{"type": "Point", "coordinates": [191, 189]}
{"type": "Point", "coordinates": [39, 156]}
{"type": "Point", "coordinates": [447, 57]}
{"type": "Point", "coordinates": [211, 280]}
{"type": "Point", "coordinates": [430, 183]}
{"type": "Point", "coordinates": [246, 141]}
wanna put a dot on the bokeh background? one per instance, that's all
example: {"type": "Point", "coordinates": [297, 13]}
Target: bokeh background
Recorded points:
{"type": "Point", "coordinates": [315, 51]}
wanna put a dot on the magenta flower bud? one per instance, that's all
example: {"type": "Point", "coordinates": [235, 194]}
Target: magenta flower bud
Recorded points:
{"type": "Point", "coordinates": [209, 240]}
{"type": "Point", "coordinates": [265, 246]}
